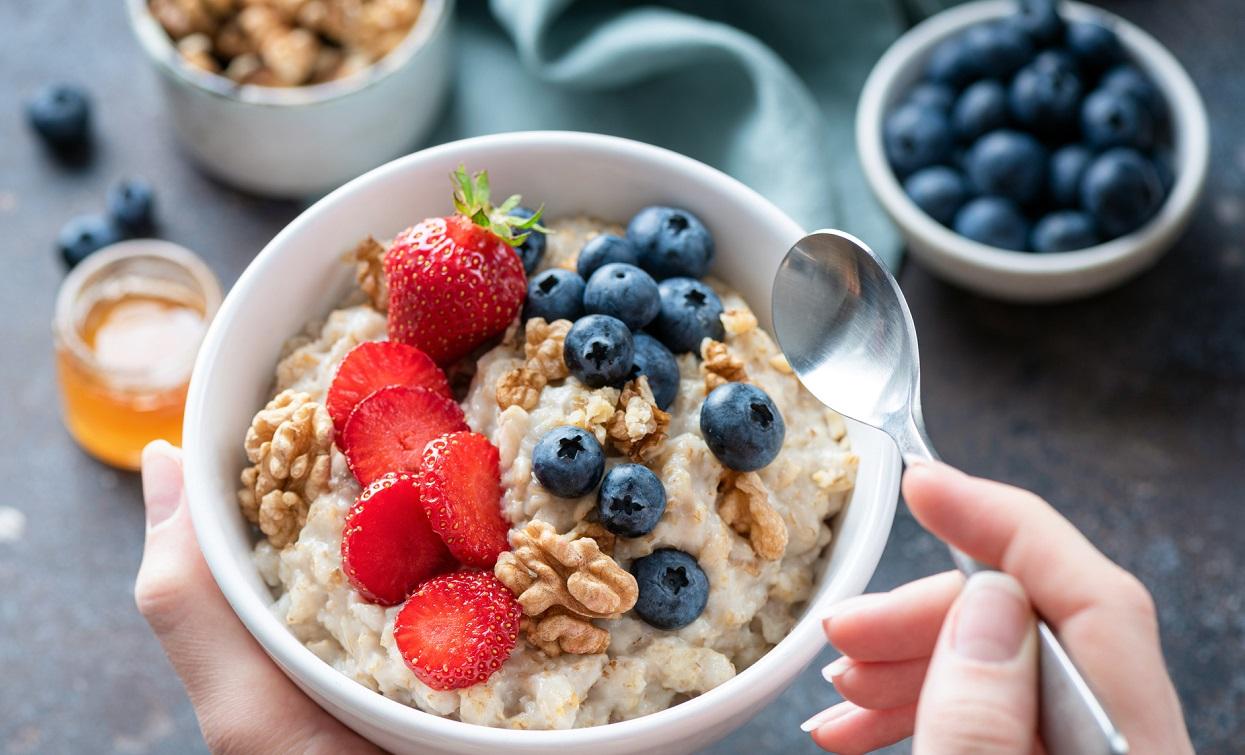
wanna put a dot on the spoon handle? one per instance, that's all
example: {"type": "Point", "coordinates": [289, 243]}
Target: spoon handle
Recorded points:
{"type": "Point", "coordinates": [1071, 719]}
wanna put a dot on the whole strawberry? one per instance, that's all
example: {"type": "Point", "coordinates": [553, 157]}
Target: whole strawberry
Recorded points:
{"type": "Point", "coordinates": [456, 282]}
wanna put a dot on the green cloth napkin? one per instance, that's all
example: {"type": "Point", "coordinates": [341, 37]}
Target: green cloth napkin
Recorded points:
{"type": "Point", "coordinates": [763, 89]}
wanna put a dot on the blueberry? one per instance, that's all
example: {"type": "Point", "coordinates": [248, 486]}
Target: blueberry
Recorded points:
{"type": "Point", "coordinates": [83, 235]}
{"type": "Point", "coordinates": [131, 205]}
{"type": "Point", "coordinates": [568, 461]}
{"type": "Point", "coordinates": [533, 247]}
{"type": "Point", "coordinates": [1067, 166]}
{"type": "Point", "coordinates": [623, 291]}
{"type": "Point", "coordinates": [1094, 46]}
{"type": "Point", "coordinates": [555, 294]}
{"type": "Point", "coordinates": [654, 361]}
{"type": "Point", "coordinates": [980, 109]}
{"type": "Point", "coordinates": [1122, 190]}
{"type": "Point", "coordinates": [1129, 79]}
{"type": "Point", "coordinates": [939, 191]}
{"type": "Point", "coordinates": [1064, 231]}
{"type": "Point", "coordinates": [690, 312]}
{"type": "Point", "coordinates": [1115, 119]}
{"type": "Point", "coordinates": [599, 351]}
{"type": "Point", "coordinates": [1008, 164]}
{"type": "Point", "coordinates": [1041, 21]}
{"type": "Point", "coordinates": [602, 250]}
{"type": "Point", "coordinates": [931, 94]}
{"type": "Point", "coordinates": [916, 137]}
{"type": "Point", "coordinates": [993, 221]}
{"type": "Point", "coordinates": [952, 63]}
{"type": "Point", "coordinates": [631, 500]}
{"type": "Point", "coordinates": [1163, 165]}
{"type": "Point", "coordinates": [673, 588]}
{"type": "Point", "coordinates": [61, 115]}
{"type": "Point", "coordinates": [742, 426]}
{"type": "Point", "coordinates": [1045, 96]}
{"type": "Point", "coordinates": [670, 242]}
{"type": "Point", "coordinates": [999, 48]}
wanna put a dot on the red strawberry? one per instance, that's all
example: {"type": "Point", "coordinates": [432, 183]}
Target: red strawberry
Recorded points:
{"type": "Point", "coordinates": [377, 364]}
{"type": "Point", "coordinates": [388, 548]}
{"type": "Point", "coordinates": [457, 629]}
{"type": "Point", "coordinates": [460, 488]}
{"type": "Point", "coordinates": [455, 282]}
{"type": "Point", "coordinates": [387, 431]}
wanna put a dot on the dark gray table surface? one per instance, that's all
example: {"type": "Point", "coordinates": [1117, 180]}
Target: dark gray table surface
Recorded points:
{"type": "Point", "coordinates": [1127, 410]}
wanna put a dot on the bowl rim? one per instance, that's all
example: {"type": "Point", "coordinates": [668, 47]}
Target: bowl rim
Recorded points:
{"type": "Point", "coordinates": [1190, 130]}
{"type": "Point", "coordinates": [160, 49]}
{"type": "Point", "coordinates": [782, 663]}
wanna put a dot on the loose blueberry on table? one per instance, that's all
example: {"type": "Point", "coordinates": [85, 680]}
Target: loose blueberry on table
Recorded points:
{"type": "Point", "coordinates": [84, 235]}
{"type": "Point", "coordinates": [61, 115]}
{"type": "Point", "coordinates": [131, 205]}
{"type": "Point", "coordinates": [1039, 110]}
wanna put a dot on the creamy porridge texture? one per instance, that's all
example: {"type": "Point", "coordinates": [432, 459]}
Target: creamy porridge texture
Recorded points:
{"type": "Point", "coordinates": [759, 537]}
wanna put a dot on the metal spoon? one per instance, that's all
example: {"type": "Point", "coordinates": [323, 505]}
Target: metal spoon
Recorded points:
{"type": "Point", "coordinates": [845, 328]}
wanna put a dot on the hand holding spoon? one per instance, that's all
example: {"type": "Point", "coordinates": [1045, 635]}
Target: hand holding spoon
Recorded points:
{"type": "Point", "coordinates": [844, 326]}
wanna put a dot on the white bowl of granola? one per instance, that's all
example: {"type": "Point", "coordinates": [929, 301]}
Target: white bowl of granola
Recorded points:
{"type": "Point", "coordinates": [292, 99]}
{"type": "Point", "coordinates": [832, 487]}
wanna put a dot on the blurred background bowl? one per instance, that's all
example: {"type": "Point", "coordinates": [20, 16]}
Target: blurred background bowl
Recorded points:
{"type": "Point", "coordinates": [305, 140]}
{"type": "Point", "coordinates": [1025, 276]}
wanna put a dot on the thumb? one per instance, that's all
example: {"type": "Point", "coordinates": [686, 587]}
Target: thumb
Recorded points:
{"type": "Point", "coordinates": [980, 693]}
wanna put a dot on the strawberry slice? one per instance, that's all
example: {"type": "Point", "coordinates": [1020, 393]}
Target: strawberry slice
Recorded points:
{"type": "Point", "coordinates": [388, 548]}
{"type": "Point", "coordinates": [378, 364]}
{"type": "Point", "coordinates": [457, 629]}
{"type": "Point", "coordinates": [460, 489]}
{"type": "Point", "coordinates": [387, 431]}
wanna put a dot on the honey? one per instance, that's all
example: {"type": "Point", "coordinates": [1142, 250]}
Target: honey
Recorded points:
{"type": "Point", "coordinates": [129, 324]}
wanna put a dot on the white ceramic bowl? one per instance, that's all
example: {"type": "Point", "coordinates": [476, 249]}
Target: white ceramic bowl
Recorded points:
{"type": "Point", "coordinates": [1022, 276]}
{"type": "Point", "coordinates": [299, 275]}
{"type": "Point", "coordinates": [304, 141]}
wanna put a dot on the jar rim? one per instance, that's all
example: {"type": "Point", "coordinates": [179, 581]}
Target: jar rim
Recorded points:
{"type": "Point", "coordinates": [93, 270]}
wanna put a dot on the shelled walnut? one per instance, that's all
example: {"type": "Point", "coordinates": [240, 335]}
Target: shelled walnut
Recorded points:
{"type": "Point", "coordinates": [542, 345]}
{"type": "Point", "coordinates": [638, 427]}
{"type": "Point", "coordinates": [289, 445]}
{"type": "Point", "coordinates": [520, 387]}
{"type": "Point", "coordinates": [286, 42]}
{"type": "Point", "coordinates": [743, 503]}
{"type": "Point", "coordinates": [369, 272]}
{"type": "Point", "coordinates": [563, 581]}
{"type": "Point", "coordinates": [557, 632]}
{"type": "Point", "coordinates": [719, 365]}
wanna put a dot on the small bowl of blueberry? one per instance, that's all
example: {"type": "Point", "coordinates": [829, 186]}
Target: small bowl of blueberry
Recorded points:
{"type": "Point", "coordinates": [1033, 150]}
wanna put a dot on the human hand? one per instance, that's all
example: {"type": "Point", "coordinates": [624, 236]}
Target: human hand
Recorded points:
{"type": "Point", "coordinates": [243, 701]}
{"type": "Point", "coordinates": [954, 664]}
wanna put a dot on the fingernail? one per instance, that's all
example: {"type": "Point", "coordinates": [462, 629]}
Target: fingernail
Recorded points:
{"type": "Point", "coordinates": [849, 605]}
{"type": "Point", "coordinates": [825, 717]}
{"type": "Point", "coordinates": [992, 619]}
{"type": "Point", "coordinates": [162, 481]}
{"type": "Point", "coordinates": [837, 667]}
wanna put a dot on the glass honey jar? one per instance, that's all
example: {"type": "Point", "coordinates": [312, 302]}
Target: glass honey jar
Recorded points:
{"type": "Point", "coordinates": [129, 321]}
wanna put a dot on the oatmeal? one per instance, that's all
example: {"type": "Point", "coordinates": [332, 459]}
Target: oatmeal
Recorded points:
{"type": "Point", "coordinates": [587, 653]}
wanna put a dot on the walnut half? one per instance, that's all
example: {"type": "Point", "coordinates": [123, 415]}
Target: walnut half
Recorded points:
{"type": "Point", "coordinates": [369, 272]}
{"type": "Point", "coordinates": [743, 503]}
{"type": "Point", "coordinates": [638, 427]}
{"type": "Point", "coordinates": [289, 444]}
{"type": "Point", "coordinates": [562, 582]}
